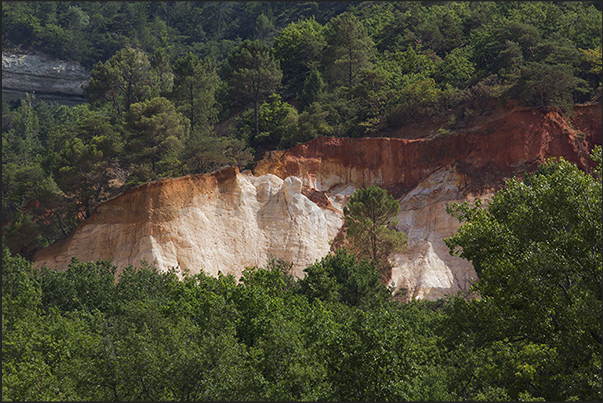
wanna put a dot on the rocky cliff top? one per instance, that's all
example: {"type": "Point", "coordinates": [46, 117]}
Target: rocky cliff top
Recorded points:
{"type": "Point", "coordinates": [512, 142]}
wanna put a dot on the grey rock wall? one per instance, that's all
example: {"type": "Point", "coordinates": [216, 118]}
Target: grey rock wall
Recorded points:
{"type": "Point", "coordinates": [38, 73]}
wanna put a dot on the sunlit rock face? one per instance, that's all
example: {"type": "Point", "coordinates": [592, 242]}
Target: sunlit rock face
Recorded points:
{"type": "Point", "coordinates": [290, 206]}
{"type": "Point", "coordinates": [36, 73]}
{"type": "Point", "coordinates": [224, 221]}
{"type": "Point", "coordinates": [426, 269]}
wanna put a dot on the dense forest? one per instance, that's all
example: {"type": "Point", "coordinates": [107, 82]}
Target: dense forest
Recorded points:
{"type": "Point", "coordinates": [166, 77]}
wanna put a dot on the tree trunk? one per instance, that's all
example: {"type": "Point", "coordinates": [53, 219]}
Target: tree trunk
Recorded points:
{"type": "Point", "coordinates": [60, 223]}
{"type": "Point", "coordinates": [113, 96]}
{"type": "Point", "coordinates": [192, 107]}
{"type": "Point", "coordinates": [374, 246]}
{"type": "Point", "coordinates": [350, 65]}
{"type": "Point", "coordinates": [256, 117]}
{"type": "Point", "coordinates": [129, 94]}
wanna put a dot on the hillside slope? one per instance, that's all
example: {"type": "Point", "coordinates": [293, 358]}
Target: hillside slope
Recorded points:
{"type": "Point", "coordinates": [290, 206]}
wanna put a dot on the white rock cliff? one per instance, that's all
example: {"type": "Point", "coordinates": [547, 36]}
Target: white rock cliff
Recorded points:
{"type": "Point", "coordinates": [230, 220]}
{"type": "Point", "coordinates": [220, 222]}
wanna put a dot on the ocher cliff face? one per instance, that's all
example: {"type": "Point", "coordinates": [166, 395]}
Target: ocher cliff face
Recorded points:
{"type": "Point", "coordinates": [290, 207]}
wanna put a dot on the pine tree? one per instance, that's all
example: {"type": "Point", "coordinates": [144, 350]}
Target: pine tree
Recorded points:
{"type": "Point", "coordinates": [314, 87]}
{"type": "Point", "coordinates": [194, 89]}
{"type": "Point", "coordinates": [349, 50]}
{"type": "Point", "coordinates": [370, 217]}
{"type": "Point", "coordinates": [255, 74]}
{"type": "Point", "coordinates": [122, 80]}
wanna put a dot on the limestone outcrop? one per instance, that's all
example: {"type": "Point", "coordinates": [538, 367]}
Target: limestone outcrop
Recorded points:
{"type": "Point", "coordinates": [290, 206]}
{"type": "Point", "coordinates": [29, 73]}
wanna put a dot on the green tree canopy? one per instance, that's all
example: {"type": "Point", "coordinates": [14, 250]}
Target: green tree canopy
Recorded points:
{"type": "Point", "coordinates": [195, 86]}
{"type": "Point", "coordinates": [349, 50]}
{"type": "Point", "coordinates": [255, 74]}
{"type": "Point", "coordinates": [456, 68]}
{"type": "Point", "coordinates": [122, 80]}
{"type": "Point", "coordinates": [537, 250]}
{"type": "Point", "coordinates": [298, 46]}
{"type": "Point", "coordinates": [155, 134]}
{"type": "Point", "coordinates": [276, 119]}
{"type": "Point", "coordinates": [314, 87]}
{"type": "Point", "coordinates": [340, 277]}
{"type": "Point", "coordinates": [263, 28]}
{"type": "Point", "coordinates": [160, 63]}
{"type": "Point", "coordinates": [206, 153]}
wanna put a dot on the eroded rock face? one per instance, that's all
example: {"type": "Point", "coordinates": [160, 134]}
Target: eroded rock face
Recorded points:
{"type": "Point", "coordinates": [224, 221]}
{"type": "Point", "coordinates": [426, 269]}
{"type": "Point", "coordinates": [291, 206]}
{"type": "Point", "coordinates": [25, 72]}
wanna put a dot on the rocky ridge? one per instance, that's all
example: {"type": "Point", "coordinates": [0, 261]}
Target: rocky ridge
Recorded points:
{"type": "Point", "coordinates": [290, 206]}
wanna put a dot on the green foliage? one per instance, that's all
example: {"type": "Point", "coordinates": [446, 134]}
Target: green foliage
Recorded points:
{"type": "Point", "coordinates": [22, 140]}
{"type": "Point", "coordinates": [207, 153]}
{"type": "Point", "coordinates": [23, 235]}
{"type": "Point", "coordinates": [27, 193]}
{"type": "Point", "coordinates": [155, 133]}
{"type": "Point", "coordinates": [263, 28]}
{"type": "Point", "coordinates": [372, 93]}
{"type": "Point", "coordinates": [502, 37]}
{"type": "Point", "coordinates": [21, 294]}
{"type": "Point", "coordinates": [593, 56]}
{"type": "Point", "coordinates": [160, 63]}
{"type": "Point", "coordinates": [255, 74]}
{"type": "Point", "coordinates": [547, 78]}
{"type": "Point", "coordinates": [410, 62]}
{"type": "Point", "coordinates": [195, 85]}
{"type": "Point", "coordinates": [370, 219]}
{"type": "Point", "coordinates": [348, 51]}
{"type": "Point", "coordinates": [457, 67]}
{"type": "Point", "coordinates": [342, 112]}
{"type": "Point", "coordinates": [56, 168]}
{"type": "Point", "coordinates": [23, 183]}
{"type": "Point", "coordinates": [298, 46]}
{"type": "Point", "coordinates": [276, 120]}
{"type": "Point", "coordinates": [78, 335]}
{"type": "Point", "coordinates": [311, 124]}
{"type": "Point", "coordinates": [126, 78]}
{"type": "Point", "coordinates": [536, 249]}
{"type": "Point", "coordinates": [313, 89]}
{"type": "Point", "coordinates": [275, 278]}
{"type": "Point", "coordinates": [83, 286]}
{"type": "Point", "coordinates": [340, 277]}
{"type": "Point", "coordinates": [371, 356]}
{"type": "Point", "coordinates": [81, 167]}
